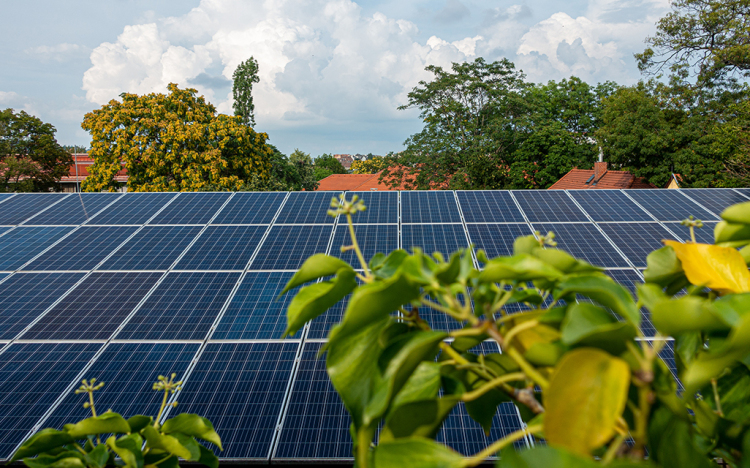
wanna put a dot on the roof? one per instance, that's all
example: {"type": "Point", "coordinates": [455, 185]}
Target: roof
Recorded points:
{"type": "Point", "coordinates": [578, 178]}
{"type": "Point", "coordinates": [352, 182]}
{"type": "Point", "coordinates": [80, 170]}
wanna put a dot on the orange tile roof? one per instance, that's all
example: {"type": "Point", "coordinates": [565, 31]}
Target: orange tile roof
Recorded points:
{"type": "Point", "coordinates": [352, 182]}
{"type": "Point", "coordinates": [576, 179]}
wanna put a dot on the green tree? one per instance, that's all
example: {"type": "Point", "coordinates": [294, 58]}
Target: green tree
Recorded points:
{"type": "Point", "coordinates": [30, 157]}
{"type": "Point", "coordinates": [327, 161]}
{"type": "Point", "coordinates": [321, 173]}
{"type": "Point", "coordinates": [373, 165]}
{"type": "Point", "coordinates": [244, 76]}
{"type": "Point", "coordinates": [75, 149]}
{"type": "Point", "coordinates": [303, 164]}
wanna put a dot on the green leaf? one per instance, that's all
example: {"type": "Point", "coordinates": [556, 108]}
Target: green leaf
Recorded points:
{"type": "Point", "coordinates": [671, 442]}
{"type": "Point", "coordinates": [160, 459]}
{"type": "Point", "coordinates": [522, 267]}
{"type": "Point", "coordinates": [448, 272]}
{"type": "Point", "coordinates": [192, 425]}
{"type": "Point", "coordinates": [685, 314]}
{"type": "Point", "coordinates": [739, 213]}
{"type": "Point", "coordinates": [67, 459]}
{"type": "Point", "coordinates": [42, 441]}
{"type": "Point", "coordinates": [563, 261]}
{"type": "Point", "coordinates": [423, 384]}
{"type": "Point", "coordinates": [315, 299]}
{"type": "Point", "coordinates": [391, 264]}
{"type": "Point", "coordinates": [730, 308]}
{"type": "Point", "coordinates": [107, 423]}
{"type": "Point", "coordinates": [416, 452]}
{"type": "Point", "coordinates": [98, 456]}
{"type": "Point", "coordinates": [484, 408]}
{"type": "Point", "coordinates": [170, 444]}
{"type": "Point", "coordinates": [316, 266]}
{"type": "Point", "coordinates": [139, 421]}
{"type": "Point", "coordinates": [546, 457]}
{"type": "Point", "coordinates": [731, 234]}
{"type": "Point", "coordinates": [128, 448]}
{"type": "Point", "coordinates": [208, 458]}
{"type": "Point", "coordinates": [525, 245]}
{"type": "Point", "coordinates": [589, 325]}
{"type": "Point", "coordinates": [664, 268]}
{"type": "Point", "coordinates": [377, 261]}
{"type": "Point", "coordinates": [421, 418]}
{"type": "Point", "coordinates": [605, 291]}
{"type": "Point", "coordinates": [545, 354]}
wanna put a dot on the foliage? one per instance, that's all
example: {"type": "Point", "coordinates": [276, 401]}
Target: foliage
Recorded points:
{"type": "Point", "coordinates": [165, 442]}
{"type": "Point", "coordinates": [322, 172]}
{"type": "Point", "coordinates": [30, 157]}
{"type": "Point", "coordinates": [243, 78]}
{"type": "Point", "coordinates": [327, 161]}
{"type": "Point", "coordinates": [573, 358]}
{"type": "Point", "coordinates": [372, 165]}
{"type": "Point", "coordinates": [172, 142]}
{"type": "Point", "coordinates": [75, 149]}
{"type": "Point", "coordinates": [303, 165]}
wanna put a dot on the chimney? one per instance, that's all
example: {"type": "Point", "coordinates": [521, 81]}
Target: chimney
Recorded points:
{"type": "Point", "coordinates": [599, 169]}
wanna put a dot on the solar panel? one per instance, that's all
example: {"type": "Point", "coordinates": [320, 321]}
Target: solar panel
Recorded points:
{"type": "Point", "coordinates": [443, 238]}
{"type": "Point", "coordinates": [26, 296]}
{"type": "Point", "coordinates": [496, 239]}
{"type": "Point", "coordinates": [669, 205]}
{"type": "Point", "coordinates": [372, 238]}
{"type": "Point", "coordinates": [629, 278]}
{"type": "Point", "coordinates": [133, 208]}
{"type": "Point", "coordinates": [182, 307]}
{"type": "Point", "coordinates": [152, 248]}
{"type": "Point", "coordinates": [609, 205]}
{"type": "Point", "coordinates": [32, 376]}
{"type": "Point", "coordinates": [636, 240]}
{"type": "Point", "coordinates": [75, 209]}
{"type": "Point", "coordinates": [192, 208]}
{"type": "Point", "coordinates": [5, 196]}
{"type": "Point", "coordinates": [704, 235]}
{"type": "Point", "coordinates": [548, 206]}
{"type": "Point", "coordinates": [307, 208]}
{"type": "Point", "coordinates": [128, 371]}
{"type": "Point", "coordinates": [716, 200]}
{"type": "Point", "coordinates": [82, 250]}
{"type": "Point", "coordinates": [251, 208]}
{"type": "Point", "coordinates": [429, 207]}
{"type": "Point", "coordinates": [22, 244]}
{"type": "Point", "coordinates": [222, 248]}
{"type": "Point", "coordinates": [94, 309]}
{"type": "Point", "coordinates": [584, 241]}
{"type": "Point", "coordinates": [240, 388]}
{"type": "Point", "coordinates": [322, 324]}
{"type": "Point", "coordinates": [382, 207]}
{"type": "Point", "coordinates": [489, 206]}
{"type": "Point", "coordinates": [255, 312]}
{"type": "Point", "coordinates": [21, 207]}
{"type": "Point", "coordinates": [287, 247]}
{"type": "Point", "coordinates": [667, 355]}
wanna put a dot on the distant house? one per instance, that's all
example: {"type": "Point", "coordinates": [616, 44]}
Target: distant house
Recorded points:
{"type": "Point", "coordinates": [80, 170]}
{"type": "Point", "coordinates": [600, 178]}
{"type": "Point", "coordinates": [346, 160]}
{"type": "Point", "coordinates": [674, 181]}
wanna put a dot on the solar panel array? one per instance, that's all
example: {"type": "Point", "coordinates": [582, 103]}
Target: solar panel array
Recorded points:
{"type": "Point", "coordinates": [124, 287]}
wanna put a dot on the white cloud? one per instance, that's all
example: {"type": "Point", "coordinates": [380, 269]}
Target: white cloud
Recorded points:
{"type": "Point", "coordinates": [59, 52]}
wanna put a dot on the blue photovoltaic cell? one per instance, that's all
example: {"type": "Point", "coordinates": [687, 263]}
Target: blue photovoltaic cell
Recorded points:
{"type": "Point", "coordinates": [443, 238]}
{"type": "Point", "coordinates": [548, 206]}
{"type": "Point", "coordinates": [128, 371]}
{"type": "Point", "coordinates": [496, 239]}
{"type": "Point", "coordinates": [82, 250]}
{"type": "Point", "coordinates": [629, 278]}
{"type": "Point", "coordinates": [26, 296]}
{"type": "Point", "coordinates": [5, 196]}
{"type": "Point", "coordinates": [75, 209]}
{"type": "Point", "coordinates": [22, 244]}
{"type": "Point", "coordinates": [287, 247]}
{"type": "Point", "coordinates": [704, 235]}
{"type": "Point", "coordinates": [669, 205]}
{"type": "Point", "coordinates": [667, 355]}
{"type": "Point", "coordinates": [240, 388]}
{"type": "Point", "coordinates": [192, 208]}
{"type": "Point", "coordinates": [321, 325]}
{"type": "Point", "coordinates": [222, 248]}
{"type": "Point", "coordinates": [372, 238]}
{"type": "Point", "coordinates": [182, 307]}
{"type": "Point", "coordinates": [316, 424]}
{"type": "Point", "coordinates": [609, 205]}
{"type": "Point", "coordinates": [4, 229]}
{"type": "Point", "coordinates": [32, 377]}
{"type": "Point", "coordinates": [251, 208]}
{"type": "Point", "coordinates": [382, 207]}
{"type": "Point", "coordinates": [716, 200]}
{"type": "Point", "coordinates": [307, 208]}
{"type": "Point", "coordinates": [485, 206]}
{"type": "Point", "coordinates": [429, 207]}
{"type": "Point", "coordinates": [255, 312]}
{"type": "Point", "coordinates": [23, 206]}
{"type": "Point", "coordinates": [94, 309]}
{"type": "Point", "coordinates": [152, 248]}
{"type": "Point", "coordinates": [133, 208]}
{"type": "Point", "coordinates": [636, 240]}
{"type": "Point", "coordinates": [584, 241]}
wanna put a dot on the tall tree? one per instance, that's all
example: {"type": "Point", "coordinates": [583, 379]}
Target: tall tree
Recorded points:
{"type": "Point", "coordinates": [327, 161]}
{"type": "Point", "coordinates": [245, 75]}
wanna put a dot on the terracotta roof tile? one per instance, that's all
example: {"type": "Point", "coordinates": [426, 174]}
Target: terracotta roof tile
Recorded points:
{"type": "Point", "coordinates": [577, 178]}
{"type": "Point", "coordinates": [352, 182]}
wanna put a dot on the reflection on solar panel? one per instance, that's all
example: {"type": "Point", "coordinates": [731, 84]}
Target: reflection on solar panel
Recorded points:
{"type": "Point", "coordinates": [133, 208]}
{"type": "Point", "coordinates": [192, 208]}
{"type": "Point", "coordinates": [371, 238]}
{"type": "Point", "coordinates": [22, 244]}
{"type": "Point", "coordinates": [548, 206]}
{"type": "Point", "coordinates": [488, 206]}
{"type": "Point", "coordinates": [21, 207]}
{"type": "Point", "coordinates": [240, 388]}
{"type": "Point", "coordinates": [629, 278]}
{"type": "Point", "coordinates": [88, 246]}
{"type": "Point", "coordinates": [75, 209]}
{"type": "Point", "coordinates": [496, 239]}
{"type": "Point", "coordinates": [704, 235]}
{"type": "Point", "coordinates": [716, 200]}
{"type": "Point", "coordinates": [669, 205]}
{"type": "Point", "coordinates": [251, 208]}
{"type": "Point", "coordinates": [182, 307]}
{"type": "Point", "coordinates": [287, 247]}
{"type": "Point", "coordinates": [27, 295]}
{"type": "Point", "coordinates": [152, 248]}
{"type": "Point", "coordinates": [95, 309]}
{"type": "Point", "coordinates": [429, 207]}
{"type": "Point", "coordinates": [609, 205]}
{"type": "Point", "coordinates": [222, 248]}
{"type": "Point", "coordinates": [32, 376]}
{"type": "Point", "coordinates": [443, 238]}
{"type": "Point", "coordinates": [5, 196]}
{"type": "Point", "coordinates": [382, 207]}
{"type": "Point", "coordinates": [307, 208]}
{"type": "Point", "coordinates": [636, 240]}
{"type": "Point", "coordinates": [584, 241]}
{"type": "Point", "coordinates": [667, 355]}
{"type": "Point", "coordinates": [128, 371]}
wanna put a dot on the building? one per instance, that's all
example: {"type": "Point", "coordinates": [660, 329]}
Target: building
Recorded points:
{"type": "Point", "coordinates": [600, 178]}
{"type": "Point", "coordinates": [346, 160]}
{"type": "Point", "coordinates": [79, 171]}
{"type": "Point", "coordinates": [352, 182]}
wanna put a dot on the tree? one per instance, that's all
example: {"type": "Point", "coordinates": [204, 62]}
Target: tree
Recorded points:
{"type": "Point", "coordinates": [75, 149]}
{"type": "Point", "coordinates": [243, 77]}
{"type": "Point", "coordinates": [372, 165]}
{"type": "Point", "coordinates": [321, 173]}
{"type": "Point", "coordinates": [30, 157]}
{"type": "Point", "coordinates": [303, 164]}
{"type": "Point", "coordinates": [172, 141]}
{"type": "Point", "coordinates": [327, 161]}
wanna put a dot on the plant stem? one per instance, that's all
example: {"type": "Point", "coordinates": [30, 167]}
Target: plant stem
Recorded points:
{"type": "Point", "coordinates": [161, 410]}
{"type": "Point", "coordinates": [363, 449]}
{"type": "Point", "coordinates": [361, 257]}
{"type": "Point", "coordinates": [717, 400]}
{"type": "Point", "coordinates": [613, 448]}
{"type": "Point", "coordinates": [498, 445]}
{"type": "Point", "coordinates": [470, 396]}
{"type": "Point", "coordinates": [91, 403]}
{"type": "Point", "coordinates": [471, 331]}
{"type": "Point", "coordinates": [518, 329]}
{"type": "Point", "coordinates": [528, 369]}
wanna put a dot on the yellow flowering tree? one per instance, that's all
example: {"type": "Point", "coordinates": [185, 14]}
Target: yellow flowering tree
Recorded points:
{"type": "Point", "coordinates": [172, 142]}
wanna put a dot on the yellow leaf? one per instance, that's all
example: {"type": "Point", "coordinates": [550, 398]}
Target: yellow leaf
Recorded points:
{"type": "Point", "coordinates": [585, 398]}
{"type": "Point", "coordinates": [720, 268]}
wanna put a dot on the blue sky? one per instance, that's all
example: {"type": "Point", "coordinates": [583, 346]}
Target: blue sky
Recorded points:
{"type": "Point", "coordinates": [332, 71]}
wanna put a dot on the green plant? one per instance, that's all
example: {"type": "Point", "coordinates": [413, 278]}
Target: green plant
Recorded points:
{"type": "Point", "coordinates": [575, 362]}
{"type": "Point", "coordinates": [143, 442]}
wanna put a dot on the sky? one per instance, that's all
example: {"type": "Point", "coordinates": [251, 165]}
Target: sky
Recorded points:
{"type": "Point", "coordinates": [332, 72]}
